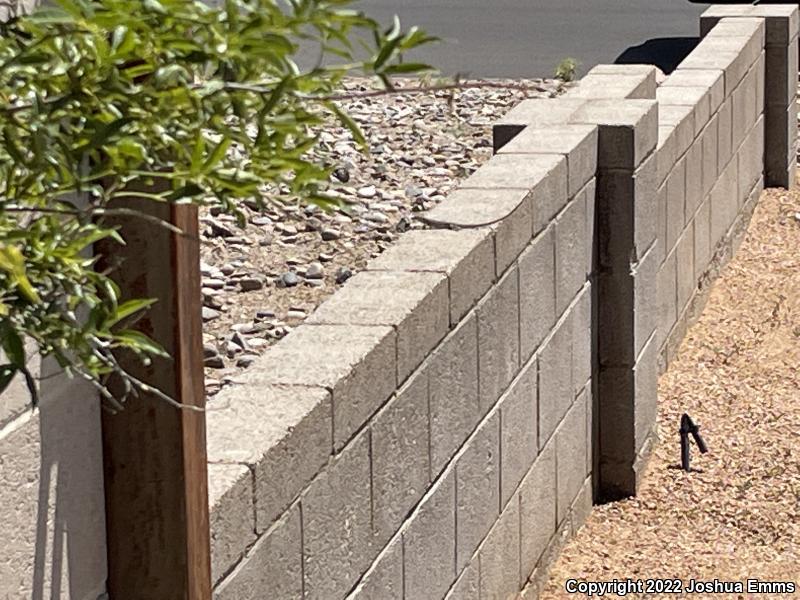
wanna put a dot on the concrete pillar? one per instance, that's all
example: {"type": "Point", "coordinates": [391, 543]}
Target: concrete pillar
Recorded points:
{"type": "Point", "coordinates": [780, 83]}
{"type": "Point", "coordinates": [626, 264]}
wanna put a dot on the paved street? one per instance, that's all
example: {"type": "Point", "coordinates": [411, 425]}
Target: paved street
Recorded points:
{"type": "Point", "coordinates": [519, 38]}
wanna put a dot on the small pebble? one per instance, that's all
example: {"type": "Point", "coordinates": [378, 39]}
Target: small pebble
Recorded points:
{"type": "Point", "coordinates": [314, 271]}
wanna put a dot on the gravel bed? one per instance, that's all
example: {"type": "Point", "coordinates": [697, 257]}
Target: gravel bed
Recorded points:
{"type": "Point", "coordinates": [738, 515]}
{"type": "Point", "coordinates": [261, 281]}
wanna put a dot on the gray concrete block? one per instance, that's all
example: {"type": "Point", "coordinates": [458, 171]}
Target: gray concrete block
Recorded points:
{"type": "Point", "coordinates": [498, 339]}
{"type": "Point", "coordinates": [724, 135]}
{"type": "Point", "coordinates": [384, 580]}
{"type": "Point", "coordinates": [761, 71]}
{"type": "Point", "coordinates": [428, 543]}
{"type": "Point", "coordinates": [537, 502]}
{"type": "Point", "coordinates": [661, 200]}
{"type": "Point", "coordinates": [591, 425]}
{"type": "Point", "coordinates": [283, 433]}
{"type": "Point", "coordinates": [416, 304]}
{"type": "Point", "coordinates": [684, 256]}
{"type": "Point", "coordinates": [680, 117]}
{"type": "Point", "coordinates": [577, 142]}
{"type": "Point", "coordinates": [712, 79]}
{"type": "Point", "coordinates": [466, 257]}
{"type": "Point", "coordinates": [230, 507]}
{"type": "Point", "coordinates": [454, 405]}
{"type": "Point", "coordinates": [628, 131]}
{"type": "Point", "coordinates": [570, 456]}
{"type": "Point", "coordinates": [274, 563]}
{"type": "Point", "coordinates": [709, 139]}
{"type": "Point", "coordinates": [337, 529]}
{"type": "Point", "coordinates": [676, 203]}
{"type": "Point", "coordinates": [667, 286]}
{"type": "Point", "coordinates": [694, 179]}
{"type": "Point", "coordinates": [537, 299]}
{"type": "Point", "coordinates": [400, 457]}
{"type": "Point", "coordinates": [582, 506]}
{"type": "Point", "coordinates": [645, 319]}
{"type": "Point", "coordinates": [781, 20]}
{"type": "Point", "coordinates": [697, 97]}
{"type": "Point", "coordinates": [555, 379]}
{"type": "Point", "coordinates": [724, 203]}
{"type": "Point", "coordinates": [751, 159]}
{"type": "Point", "coordinates": [744, 102]}
{"type": "Point", "coordinates": [611, 81]}
{"type": "Point", "coordinates": [590, 198]}
{"type": "Point", "coordinates": [357, 363]}
{"type": "Point", "coordinates": [780, 137]}
{"type": "Point", "coordinates": [570, 240]}
{"type": "Point", "coordinates": [506, 211]}
{"type": "Point", "coordinates": [499, 556]}
{"type": "Point", "coordinates": [646, 389]}
{"type": "Point", "coordinates": [781, 75]}
{"type": "Point", "coordinates": [582, 339]}
{"type": "Point", "coordinates": [518, 429]}
{"type": "Point", "coordinates": [740, 27]}
{"type": "Point", "coordinates": [467, 586]}
{"type": "Point", "coordinates": [733, 55]}
{"type": "Point", "coordinates": [645, 207]}
{"type": "Point", "coordinates": [534, 112]}
{"type": "Point", "coordinates": [477, 489]}
{"type": "Point", "coordinates": [666, 152]}
{"type": "Point", "coordinates": [702, 238]}
{"type": "Point", "coordinates": [549, 195]}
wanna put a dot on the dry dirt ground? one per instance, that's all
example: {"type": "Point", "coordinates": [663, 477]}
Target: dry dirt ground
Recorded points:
{"type": "Point", "coordinates": [738, 376]}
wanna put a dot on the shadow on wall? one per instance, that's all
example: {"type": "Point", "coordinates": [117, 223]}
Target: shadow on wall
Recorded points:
{"type": "Point", "coordinates": [665, 53]}
{"type": "Point", "coordinates": [61, 531]}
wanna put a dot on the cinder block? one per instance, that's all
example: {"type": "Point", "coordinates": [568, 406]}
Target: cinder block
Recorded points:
{"type": "Point", "coordinates": [384, 580]}
{"type": "Point", "coordinates": [534, 112]}
{"type": "Point", "coordinates": [275, 563]}
{"type": "Point", "coordinates": [781, 20]}
{"type": "Point", "coordinates": [780, 137]}
{"type": "Point", "coordinates": [667, 284]}
{"type": "Point", "coordinates": [712, 80]}
{"type": "Point", "coordinates": [628, 131]}
{"type": "Point", "coordinates": [751, 159]}
{"type": "Point", "coordinates": [537, 503]}
{"type": "Point", "coordinates": [337, 530]}
{"type": "Point", "coordinates": [498, 339]}
{"type": "Point", "coordinates": [555, 379]}
{"type": "Point", "coordinates": [499, 556]}
{"type": "Point", "coordinates": [283, 433]}
{"type": "Point", "coordinates": [590, 197]}
{"type": "Point", "coordinates": [570, 240]}
{"type": "Point", "coordinates": [697, 97]}
{"type": "Point", "coordinates": [466, 257]}
{"type": "Point", "coordinates": [518, 429]}
{"type": "Point", "coordinates": [582, 506]}
{"type": "Point", "coordinates": [467, 586]}
{"type": "Point", "coordinates": [506, 211]}
{"type": "Point", "coordinates": [645, 207]}
{"type": "Point", "coordinates": [416, 304]}
{"type": "Point", "coordinates": [709, 139]}
{"type": "Point", "coordinates": [429, 543]}
{"type": "Point", "coordinates": [781, 73]}
{"type": "Point", "coordinates": [537, 297]}
{"type": "Point", "coordinates": [761, 71]}
{"type": "Point", "coordinates": [694, 179]}
{"type": "Point", "coordinates": [549, 195]}
{"type": "Point", "coordinates": [666, 152]}
{"type": "Point", "coordinates": [230, 507]}
{"type": "Point", "coordinates": [611, 81]}
{"type": "Point", "coordinates": [577, 142]}
{"type": "Point", "coordinates": [645, 319]}
{"type": "Point", "coordinates": [676, 203]}
{"type": "Point", "coordinates": [356, 362]}
{"type": "Point", "coordinates": [724, 203]}
{"type": "Point", "coordinates": [733, 55]}
{"type": "Point", "coordinates": [702, 238]}
{"type": "Point", "coordinates": [680, 117]}
{"type": "Point", "coordinates": [582, 339]}
{"type": "Point", "coordinates": [400, 458]}
{"type": "Point", "coordinates": [724, 134]}
{"type": "Point", "coordinates": [591, 426]}
{"type": "Point", "coordinates": [477, 489]}
{"type": "Point", "coordinates": [684, 256]}
{"type": "Point", "coordinates": [570, 456]}
{"type": "Point", "coordinates": [661, 200]}
{"type": "Point", "coordinates": [646, 388]}
{"type": "Point", "coordinates": [454, 405]}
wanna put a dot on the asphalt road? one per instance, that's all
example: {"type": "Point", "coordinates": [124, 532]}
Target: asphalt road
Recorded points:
{"type": "Point", "coordinates": [528, 38]}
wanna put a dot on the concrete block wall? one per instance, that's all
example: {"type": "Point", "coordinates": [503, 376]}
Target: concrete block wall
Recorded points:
{"type": "Point", "coordinates": [441, 425]}
{"type": "Point", "coordinates": [436, 407]}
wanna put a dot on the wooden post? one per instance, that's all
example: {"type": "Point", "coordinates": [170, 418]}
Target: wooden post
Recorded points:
{"type": "Point", "coordinates": [154, 453]}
